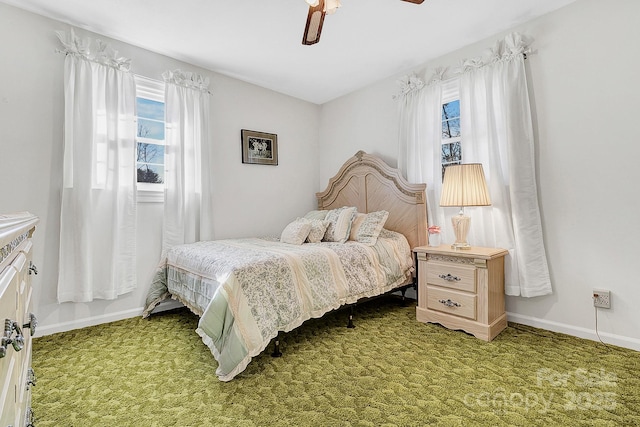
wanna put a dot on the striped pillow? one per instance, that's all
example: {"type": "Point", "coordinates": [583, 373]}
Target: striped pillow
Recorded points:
{"type": "Point", "coordinates": [339, 224]}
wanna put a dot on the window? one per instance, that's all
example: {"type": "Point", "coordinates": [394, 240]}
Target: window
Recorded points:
{"type": "Point", "coordinates": [451, 139]}
{"type": "Point", "coordinates": [150, 138]}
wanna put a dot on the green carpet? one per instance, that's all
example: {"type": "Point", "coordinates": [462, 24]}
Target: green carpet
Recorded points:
{"type": "Point", "coordinates": [388, 371]}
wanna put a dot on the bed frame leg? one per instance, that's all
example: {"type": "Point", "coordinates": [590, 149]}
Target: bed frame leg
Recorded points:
{"type": "Point", "coordinates": [350, 325]}
{"type": "Point", "coordinates": [276, 348]}
{"type": "Point", "coordinates": [404, 291]}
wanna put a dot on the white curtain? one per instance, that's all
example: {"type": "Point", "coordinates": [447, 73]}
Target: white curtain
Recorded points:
{"type": "Point", "coordinates": [188, 211]}
{"type": "Point", "coordinates": [419, 138]}
{"type": "Point", "coordinates": [98, 216]}
{"type": "Point", "coordinates": [496, 131]}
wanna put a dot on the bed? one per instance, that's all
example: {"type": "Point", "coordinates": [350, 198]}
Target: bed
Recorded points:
{"type": "Point", "coordinates": [248, 290]}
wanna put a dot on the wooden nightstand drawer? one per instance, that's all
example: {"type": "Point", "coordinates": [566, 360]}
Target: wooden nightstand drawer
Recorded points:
{"type": "Point", "coordinates": [462, 289]}
{"type": "Point", "coordinates": [452, 302]}
{"type": "Point", "coordinates": [448, 275]}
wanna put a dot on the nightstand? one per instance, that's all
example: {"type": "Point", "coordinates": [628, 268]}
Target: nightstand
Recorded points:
{"type": "Point", "coordinates": [462, 289]}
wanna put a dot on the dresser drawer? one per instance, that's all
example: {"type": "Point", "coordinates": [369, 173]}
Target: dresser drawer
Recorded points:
{"type": "Point", "coordinates": [15, 299]}
{"type": "Point", "coordinates": [461, 277]}
{"type": "Point", "coordinates": [453, 302]}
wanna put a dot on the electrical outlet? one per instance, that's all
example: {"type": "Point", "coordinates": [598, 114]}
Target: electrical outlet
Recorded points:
{"type": "Point", "coordinates": [601, 298]}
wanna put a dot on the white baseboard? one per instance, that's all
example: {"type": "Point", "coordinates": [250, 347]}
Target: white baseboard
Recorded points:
{"type": "Point", "coordinates": [105, 318]}
{"type": "Point", "coordinates": [590, 334]}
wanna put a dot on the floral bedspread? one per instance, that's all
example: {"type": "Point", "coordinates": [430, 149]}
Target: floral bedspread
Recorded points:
{"type": "Point", "coordinates": [246, 290]}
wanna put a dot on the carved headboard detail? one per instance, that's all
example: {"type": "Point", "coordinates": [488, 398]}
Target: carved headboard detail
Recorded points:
{"type": "Point", "coordinates": [368, 183]}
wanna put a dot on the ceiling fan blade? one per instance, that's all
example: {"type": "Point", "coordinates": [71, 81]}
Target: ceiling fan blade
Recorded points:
{"type": "Point", "coordinates": [414, 1]}
{"type": "Point", "coordinates": [313, 28]}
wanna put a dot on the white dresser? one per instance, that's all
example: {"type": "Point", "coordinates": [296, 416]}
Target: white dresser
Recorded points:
{"type": "Point", "coordinates": [16, 318]}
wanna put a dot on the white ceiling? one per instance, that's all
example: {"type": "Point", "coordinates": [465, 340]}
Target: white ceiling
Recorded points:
{"type": "Point", "coordinates": [259, 41]}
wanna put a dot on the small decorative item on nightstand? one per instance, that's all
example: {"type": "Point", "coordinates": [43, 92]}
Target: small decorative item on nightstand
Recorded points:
{"type": "Point", "coordinates": [462, 289]}
{"type": "Point", "coordinates": [434, 235]}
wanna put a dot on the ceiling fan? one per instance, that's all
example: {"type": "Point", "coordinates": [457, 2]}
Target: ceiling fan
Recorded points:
{"type": "Point", "coordinates": [317, 10]}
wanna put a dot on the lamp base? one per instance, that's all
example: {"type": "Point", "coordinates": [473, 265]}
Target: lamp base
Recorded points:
{"type": "Point", "coordinates": [461, 224]}
{"type": "Point", "coordinates": [461, 246]}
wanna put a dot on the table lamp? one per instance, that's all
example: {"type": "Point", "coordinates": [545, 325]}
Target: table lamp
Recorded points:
{"type": "Point", "coordinates": [464, 185]}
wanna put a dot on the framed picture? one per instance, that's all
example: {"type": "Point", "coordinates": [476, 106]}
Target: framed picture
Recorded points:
{"type": "Point", "coordinates": [259, 148]}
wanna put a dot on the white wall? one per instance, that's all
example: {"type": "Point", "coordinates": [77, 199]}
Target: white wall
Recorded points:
{"type": "Point", "coordinates": [584, 86]}
{"type": "Point", "coordinates": [250, 199]}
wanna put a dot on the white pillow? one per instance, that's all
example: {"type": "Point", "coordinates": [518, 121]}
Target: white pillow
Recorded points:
{"type": "Point", "coordinates": [296, 232]}
{"type": "Point", "coordinates": [318, 228]}
{"type": "Point", "coordinates": [367, 227]}
{"type": "Point", "coordinates": [339, 224]}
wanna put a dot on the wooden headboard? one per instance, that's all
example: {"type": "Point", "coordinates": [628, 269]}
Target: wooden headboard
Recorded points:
{"type": "Point", "coordinates": [368, 183]}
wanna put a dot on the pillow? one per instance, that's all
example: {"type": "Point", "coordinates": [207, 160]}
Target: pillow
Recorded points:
{"type": "Point", "coordinates": [339, 224]}
{"type": "Point", "coordinates": [316, 215]}
{"type": "Point", "coordinates": [318, 228]}
{"type": "Point", "coordinates": [296, 232]}
{"type": "Point", "coordinates": [366, 227]}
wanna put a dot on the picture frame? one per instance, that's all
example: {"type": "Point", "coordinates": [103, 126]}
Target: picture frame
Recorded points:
{"type": "Point", "coordinates": [259, 148]}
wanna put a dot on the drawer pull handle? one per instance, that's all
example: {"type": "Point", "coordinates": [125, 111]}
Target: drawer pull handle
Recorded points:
{"type": "Point", "coordinates": [33, 322]}
{"type": "Point", "coordinates": [449, 303]}
{"type": "Point", "coordinates": [32, 268]}
{"type": "Point", "coordinates": [17, 342]}
{"type": "Point", "coordinates": [449, 278]}
{"type": "Point", "coordinates": [31, 378]}
{"type": "Point", "coordinates": [30, 418]}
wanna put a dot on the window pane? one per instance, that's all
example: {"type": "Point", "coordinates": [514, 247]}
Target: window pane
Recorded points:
{"type": "Point", "coordinates": [451, 119]}
{"type": "Point", "coordinates": [150, 153]}
{"type": "Point", "coordinates": [451, 153]}
{"type": "Point", "coordinates": [150, 129]}
{"type": "Point", "coordinates": [451, 128]}
{"type": "Point", "coordinates": [150, 135]}
{"type": "Point", "coordinates": [451, 110]}
{"type": "Point", "coordinates": [150, 173]}
{"type": "Point", "coordinates": [150, 109]}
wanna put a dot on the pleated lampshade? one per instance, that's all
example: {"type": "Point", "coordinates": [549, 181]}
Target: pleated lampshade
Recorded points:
{"type": "Point", "coordinates": [464, 185]}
